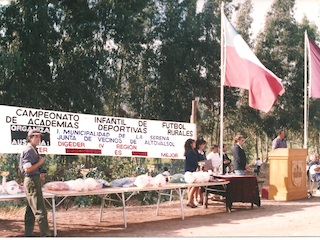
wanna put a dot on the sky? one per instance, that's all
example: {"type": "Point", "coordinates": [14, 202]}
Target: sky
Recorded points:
{"type": "Point", "coordinates": [3, 2]}
{"type": "Point", "coordinates": [311, 8]}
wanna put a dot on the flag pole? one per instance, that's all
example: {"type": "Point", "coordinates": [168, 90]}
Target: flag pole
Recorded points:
{"type": "Point", "coordinates": [222, 78]}
{"type": "Point", "coordinates": [305, 92]}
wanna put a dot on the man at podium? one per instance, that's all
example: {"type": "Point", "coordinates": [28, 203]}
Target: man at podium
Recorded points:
{"type": "Point", "coordinates": [279, 141]}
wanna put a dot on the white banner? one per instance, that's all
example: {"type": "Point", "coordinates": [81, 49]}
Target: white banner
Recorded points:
{"type": "Point", "coordinates": [67, 133]}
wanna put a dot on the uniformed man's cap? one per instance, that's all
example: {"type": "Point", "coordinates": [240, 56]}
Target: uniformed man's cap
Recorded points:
{"type": "Point", "coordinates": [33, 132]}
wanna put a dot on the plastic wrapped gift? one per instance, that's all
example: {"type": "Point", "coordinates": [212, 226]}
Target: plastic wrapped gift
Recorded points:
{"type": "Point", "coordinates": [159, 180]}
{"type": "Point", "coordinates": [127, 181]}
{"type": "Point", "coordinates": [56, 186]}
{"type": "Point", "coordinates": [177, 178]}
{"type": "Point", "coordinates": [79, 185]}
{"type": "Point", "coordinates": [198, 177]}
{"type": "Point", "coordinates": [91, 184]}
{"type": "Point", "coordinates": [12, 187]}
{"type": "Point", "coordinates": [70, 184]}
{"type": "Point", "coordinates": [189, 177]}
{"type": "Point", "coordinates": [103, 183]}
{"type": "Point", "coordinates": [201, 177]}
{"type": "Point", "coordinates": [206, 176]}
{"type": "Point", "coordinates": [142, 181]}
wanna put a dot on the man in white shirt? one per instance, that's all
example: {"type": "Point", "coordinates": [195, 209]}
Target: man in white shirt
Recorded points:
{"type": "Point", "coordinates": [314, 169]}
{"type": "Point", "coordinates": [214, 156]}
{"type": "Point", "coordinates": [258, 164]}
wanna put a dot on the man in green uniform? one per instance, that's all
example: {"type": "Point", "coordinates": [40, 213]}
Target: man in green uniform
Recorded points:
{"type": "Point", "coordinates": [30, 163]}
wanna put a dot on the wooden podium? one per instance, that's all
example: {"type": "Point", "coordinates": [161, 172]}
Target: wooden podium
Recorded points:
{"type": "Point", "coordinates": [287, 174]}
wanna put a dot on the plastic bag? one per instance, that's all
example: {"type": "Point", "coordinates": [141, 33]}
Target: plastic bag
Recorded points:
{"type": "Point", "coordinates": [122, 181]}
{"type": "Point", "coordinates": [56, 186]}
{"type": "Point", "coordinates": [177, 178]}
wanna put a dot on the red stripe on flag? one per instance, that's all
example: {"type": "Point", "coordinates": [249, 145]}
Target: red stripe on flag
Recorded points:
{"type": "Point", "coordinates": [242, 73]}
{"type": "Point", "coordinates": [244, 70]}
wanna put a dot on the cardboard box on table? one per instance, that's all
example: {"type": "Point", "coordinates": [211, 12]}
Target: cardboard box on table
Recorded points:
{"type": "Point", "coordinates": [287, 174]}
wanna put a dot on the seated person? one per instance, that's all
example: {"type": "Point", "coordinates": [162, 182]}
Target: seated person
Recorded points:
{"type": "Point", "coordinates": [314, 170]}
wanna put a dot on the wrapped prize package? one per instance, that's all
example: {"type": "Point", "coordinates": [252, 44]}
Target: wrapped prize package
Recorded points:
{"type": "Point", "coordinates": [104, 183]}
{"type": "Point", "coordinates": [206, 176]}
{"type": "Point", "coordinates": [56, 186]}
{"type": "Point", "coordinates": [189, 177]}
{"type": "Point", "coordinates": [159, 180]}
{"type": "Point", "coordinates": [199, 178]}
{"type": "Point", "coordinates": [151, 182]}
{"type": "Point", "coordinates": [91, 184]}
{"type": "Point", "coordinates": [177, 178]}
{"type": "Point", "coordinates": [21, 188]}
{"type": "Point", "coordinates": [70, 184]}
{"type": "Point", "coordinates": [142, 181]}
{"type": "Point", "coordinates": [79, 185]}
{"type": "Point", "coordinates": [12, 187]}
{"type": "Point", "coordinates": [127, 181]}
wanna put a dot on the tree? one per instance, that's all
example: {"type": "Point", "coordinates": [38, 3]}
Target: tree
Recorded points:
{"type": "Point", "coordinates": [171, 85]}
{"type": "Point", "coordinates": [280, 48]}
{"type": "Point", "coordinates": [313, 112]}
{"type": "Point", "coordinates": [126, 30]}
{"type": "Point", "coordinates": [26, 45]}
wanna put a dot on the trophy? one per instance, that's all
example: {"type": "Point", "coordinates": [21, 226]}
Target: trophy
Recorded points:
{"type": "Point", "coordinates": [150, 169]}
{"type": "Point", "coordinates": [201, 164]}
{"type": "Point", "coordinates": [4, 175]}
{"type": "Point", "coordinates": [84, 172]}
{"type": "Point", "coordinates": [217, 170]}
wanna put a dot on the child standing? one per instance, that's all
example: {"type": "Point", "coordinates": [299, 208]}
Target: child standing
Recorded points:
{"type": "Point", "coordinates": [258, 164]}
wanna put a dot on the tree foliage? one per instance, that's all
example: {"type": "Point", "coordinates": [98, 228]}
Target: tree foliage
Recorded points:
{"type": "Point", "coordinates": [149, 59]}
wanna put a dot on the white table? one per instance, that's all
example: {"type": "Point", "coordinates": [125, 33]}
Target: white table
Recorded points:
{"type": "Point", "coordinates": [120, 193]}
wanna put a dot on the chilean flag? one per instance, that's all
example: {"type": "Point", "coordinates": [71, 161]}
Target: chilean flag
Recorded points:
{"type": "Point", "coordinates": [314, 64]}
{"type": "Point", "coordinates": [244, 70]}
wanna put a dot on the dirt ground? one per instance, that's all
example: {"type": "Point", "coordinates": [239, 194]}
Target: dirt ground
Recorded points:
{"type": "Point", "coordinates": [291, 218]}
{"type": "Point", "coordinates": [273, 218]}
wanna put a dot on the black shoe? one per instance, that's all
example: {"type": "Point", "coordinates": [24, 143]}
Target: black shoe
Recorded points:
{"type": "Point", "coordinates": [191, 205]}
